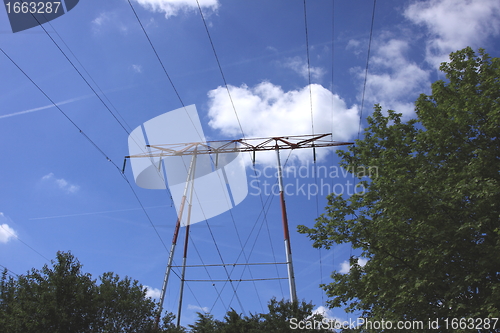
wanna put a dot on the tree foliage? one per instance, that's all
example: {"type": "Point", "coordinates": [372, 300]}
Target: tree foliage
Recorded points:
{"type": "Point", "coordinates": [277, 320]}
{"type": "Point", "coordinates": [63, 299]}
{"type": "Point", "coordinates": [429, 222]}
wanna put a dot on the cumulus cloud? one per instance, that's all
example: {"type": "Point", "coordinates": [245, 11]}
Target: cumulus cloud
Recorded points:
{"type": "Point", "coordinates": [393, 80]}
{"type": "Point", "coordinates": [61, 183]}
{"type": "Point", "coordinates": [345, 266]}
{"type": "Point", "coordinates": [152, 292]}
{"type": "Point", "coordinates": [6, 232]}
{"type": "Point", "coordinates": [455, 24]}
{"type": "Point", "coordinates": [267, 110]}
{"type": "Point", "coordinates": [173, 7]}
{"type": "Point", "coordinates": [198, 308]}
{"type": "Point", "coordinates": [300, 67]}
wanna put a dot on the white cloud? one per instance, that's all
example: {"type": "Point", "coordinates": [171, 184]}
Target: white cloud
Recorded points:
{"type": "Point", "coordinates": [345, 267]}
{"type": "Point", "coordinates": [6, 232]}
{"type": "Point", "coordinates": [300, 67]}
{"type": "Point", "coordinates": [61, 183]}
{"type": "Point", "coordinates": [266, 110]}
{"type": "Point", "coordinates": [137, 68]}
{"type": "Point", "coordinates": [455, 24]}
{"type": "Point", "coordinates": [173, 7]}
{"type": "Point", "coordinates": [152, 292]}
{"type": "Point", "coordinates": [393, 80]}
{"type": "Point", "coordinates": [325, 312]}
{"type": "Point", "coordinates": [199, 309]}
{"type": "Point", "coordinates": [108, 20]}
{"type": "Point", "coordinates": [355, 46]}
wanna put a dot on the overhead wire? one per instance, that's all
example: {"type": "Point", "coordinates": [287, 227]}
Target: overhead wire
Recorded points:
{"type": "Point", "coordinates": [88, 84]}
{"type": "Point", "coordinates": [79, 73]}
{"type": "Point", "coordinates": [90, 141]}
{"type": "Point", "coordinates": [333, 118]}
{"type": "Point", "coordinates": [220, 68]}
{"type": "Point", "coordinates": [209, 275]}
{"type": "Point", "coordinates": [234, 109]}
{"type": "Point", "coordinates": [312, 129]}
{"type": "Point", "coordinates": [10, 272]}
{"type": "Point", "coordinates": [366, 67]}
{"type": "Point", "coordinates": [23, 242]}
{"type": "Point", "coordinates": [364, 84]}
{"type": "Point", "coordinates": [180, 99]}
{"type": "Point", "coordinates": [228, 91]}
{"type": "Point", "coordinates": [156, 53]}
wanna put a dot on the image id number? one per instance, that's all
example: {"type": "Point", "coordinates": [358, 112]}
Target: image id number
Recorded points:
{"type": "Point", "coordinates": [32, 7]}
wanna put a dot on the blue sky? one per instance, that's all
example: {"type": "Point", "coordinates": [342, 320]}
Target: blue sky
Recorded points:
{"type": "Point", "coordinates": [59, 193]}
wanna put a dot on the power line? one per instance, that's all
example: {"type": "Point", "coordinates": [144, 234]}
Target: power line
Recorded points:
{"type": "Point", "coordinates": [88, 84]}
{"type": "Point", "coordinates": [91, 142]}
{"type": "Point", "coordinates": [309, 69]}
{"type": "Point", "coordinates": [19, 239]}
{"type": "Point", "coordinates": [156, 53]}
{"type": "Point", "coordinates": [366, 68]}
{"type": "Point", "coordinates": [220, 68]}
{"type": "Point", "coordinates": [182, 103]}
{"type": "Point", "coordinates": [79, 73]}
{"type": "Point", "coordinates": [10, 272]}
{"type": "Point", "coordinates": [364, 84]}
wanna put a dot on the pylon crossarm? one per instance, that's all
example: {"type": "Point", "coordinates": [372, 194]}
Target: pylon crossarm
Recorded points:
{"type": "Point", "coordinates": [239, 145]}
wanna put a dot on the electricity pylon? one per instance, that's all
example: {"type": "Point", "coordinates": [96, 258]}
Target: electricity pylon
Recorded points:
{"type": "Point", "coordinates": [215, 148]}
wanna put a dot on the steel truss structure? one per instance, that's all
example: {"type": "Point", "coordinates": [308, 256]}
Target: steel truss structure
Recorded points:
{"type": "Point", "coordinates": [215, 148]}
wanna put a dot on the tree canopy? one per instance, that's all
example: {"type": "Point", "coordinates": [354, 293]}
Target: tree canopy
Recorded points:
{"type": "Point", "coordinates": [429, 220]}
{"type": "Point", "coordinates": [63, 299]}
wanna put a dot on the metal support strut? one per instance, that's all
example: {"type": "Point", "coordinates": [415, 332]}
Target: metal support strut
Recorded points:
{"type": "Point", "coordinates": [174, 242]}
{"type": "Point", "coordinates": [184, 257]}
{"type": "Point", "coordinates": [288, 248]}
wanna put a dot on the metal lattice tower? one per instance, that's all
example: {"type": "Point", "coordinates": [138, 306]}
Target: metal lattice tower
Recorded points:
{"type": "Point", "coordinates": [215, 148]}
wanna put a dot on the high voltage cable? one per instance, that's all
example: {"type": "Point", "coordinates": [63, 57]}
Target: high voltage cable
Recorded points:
{"type": "Point", "coordinates": [364, 84]}
{"type": "Point", "coordinates": [229, 94]}
{"type": "Point", "coordinates": [156, 53]}
{"type": "Point", "coordinates": [308, 67]}
{"type": "Point", "coordinates": [79, 73]}
{"type": "Point", "coordinates": [366, 68]}
{"type": "Point", "coordinates": [88, 84]}
{"type": "Point", "coordinates": [8, 270]}
{"type": "Point", "coordinates": [312, 128]}
{"type": "Point", "coordinates": [220, 67]}
{"type": "Point", "coordinates": [90, 140]}
{"type": "Point", "coordinates": [19, 239]}
{"type": "Point", "coordinates": [333, 154]}
{"type": "Point", "coordinates": [209, 276]}
{"type": "Point", "coordinates": [230, 98]}
{"type": "Point", "coordinates": [177, 93]}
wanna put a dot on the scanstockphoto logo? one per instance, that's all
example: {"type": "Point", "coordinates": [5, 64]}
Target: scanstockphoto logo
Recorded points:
{"type": "Point", "coordinates": [310, 180]}
{"type": "Point", "coordinates": [25, 14]}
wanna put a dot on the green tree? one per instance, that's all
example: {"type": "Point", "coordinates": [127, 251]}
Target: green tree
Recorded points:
{"type": "Point", "coordinates": [205, 324]}
{"type": "Point", "coordinates": [57, 299]}
{"type": "Point", "coordinates": [429, 220]}
{"type": "Point", "coordinates": [277, 320]}
{"type": "Point", "coordinates": [236, 323]}
{"type": "Point", "coordinates": [283, 316]}
{"type": "Point", "coordinates": [63, 299]}
{"type": "Point", "coordinates": [123, 305]}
